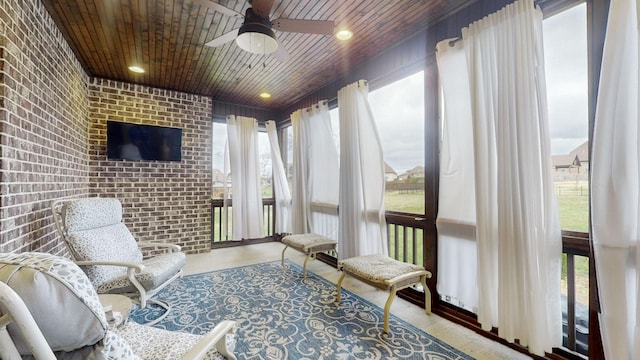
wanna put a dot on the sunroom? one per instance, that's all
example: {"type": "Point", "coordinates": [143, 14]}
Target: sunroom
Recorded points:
{"type": "Point", "coordinates": [453, 120]}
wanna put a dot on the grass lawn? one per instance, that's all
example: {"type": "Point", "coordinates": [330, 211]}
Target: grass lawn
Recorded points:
{"type": "Point", "coordinates": [410, 202]}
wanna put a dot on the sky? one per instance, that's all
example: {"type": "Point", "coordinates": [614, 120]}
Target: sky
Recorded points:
{"type": "Point", "coordinates": [398, 108]}
{"type": "Point", "coordinates": [565, 51]}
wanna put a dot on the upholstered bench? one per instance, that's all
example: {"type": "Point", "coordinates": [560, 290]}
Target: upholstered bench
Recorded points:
{"type": "Point", "coordinates": [310, 244]}
{"type": "Point", "coordinates": [385, 273]}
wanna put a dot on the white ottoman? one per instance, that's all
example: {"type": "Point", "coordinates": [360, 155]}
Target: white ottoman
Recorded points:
{"type": "Point", "coordinates": [310, 244]}
{"type": "Point", "coordinates": [385, 273]}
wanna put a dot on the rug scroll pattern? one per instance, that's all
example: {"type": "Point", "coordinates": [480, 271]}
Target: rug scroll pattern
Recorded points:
{"type": "Point", "coordinates": [282, 316]}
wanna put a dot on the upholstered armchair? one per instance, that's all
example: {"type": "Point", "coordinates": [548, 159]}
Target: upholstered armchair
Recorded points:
{"type": "Point", "coordinates": [103, 246]}
{"type": "Point", "coordinates": [49, 310]}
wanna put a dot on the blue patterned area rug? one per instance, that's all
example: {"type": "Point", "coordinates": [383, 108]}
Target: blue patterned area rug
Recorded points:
{"type": "Point", "coordinates": [282, 316]}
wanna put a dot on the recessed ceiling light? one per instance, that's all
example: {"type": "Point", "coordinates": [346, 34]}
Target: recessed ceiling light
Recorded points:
{"type": "Point", "coordinates": [265, 95]}
{"type": "Point", "coordinates": [344, 35]}
{"type": "Point", "coordinates": [136, 69]}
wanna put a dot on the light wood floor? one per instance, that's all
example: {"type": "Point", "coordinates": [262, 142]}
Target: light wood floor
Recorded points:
{"type": "Point", "coordinates": [451, 333]}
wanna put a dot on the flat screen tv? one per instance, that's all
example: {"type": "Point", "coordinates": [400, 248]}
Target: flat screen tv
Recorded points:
{"type": "Point", "coordinates": [143, 142]}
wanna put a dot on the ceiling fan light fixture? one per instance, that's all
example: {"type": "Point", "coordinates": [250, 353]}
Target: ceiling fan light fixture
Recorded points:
{"type": "Point", "coordinates": [256, 38]}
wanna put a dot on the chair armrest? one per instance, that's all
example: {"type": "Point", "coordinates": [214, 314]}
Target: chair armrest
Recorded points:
{"type": "Point", "coordinates": [216, 337]}
{"type": "Point", "coordinates": [19, 315]}
{"type": "Point", "coordinates": [132, 266]}
{"type": "Point", "coordinates": [171, 247]}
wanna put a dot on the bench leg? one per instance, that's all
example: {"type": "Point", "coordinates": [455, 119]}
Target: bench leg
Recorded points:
{"type": "Point", "coordinates": [304, 267]}
{"type": "Point", "coordinates": [283, 250]}
{"type": "Point", "coordinates": [387, 306]}
{"type": "Point", "coordinates": [427, 295]}
{"type": "Point", "coordinates": [339, 285]}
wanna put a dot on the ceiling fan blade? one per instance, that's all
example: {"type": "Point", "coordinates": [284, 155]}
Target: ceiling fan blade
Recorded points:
{"type": "Point", "coordinates": [223, 39]}
{"type": "Point", "coordinates": [324, 27]}
{"type": "Point", "coordinates": [262, 8]}
{"type": "Point", "coordinates": [219, 8]}
{"type": "Point", "coordinates": [281, 53]}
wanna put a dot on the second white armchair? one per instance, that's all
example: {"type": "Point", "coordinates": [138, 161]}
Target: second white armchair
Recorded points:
{"type": "Point", "coordinates": [100, 242]}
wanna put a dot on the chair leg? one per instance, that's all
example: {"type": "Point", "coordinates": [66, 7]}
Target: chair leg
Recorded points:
{"type": "Point", "coordinates": [164, 305]}
{"type": "Point", "coordinates": [339, 285]}
{"type": "Point", "coordinates": [387, 306]}
{"type": "Point", "coordinates": [283, 250]}
{"type": "Point", "coordinates": [427, 295]}
{"type": "Point", "coordinates": [304, 267]}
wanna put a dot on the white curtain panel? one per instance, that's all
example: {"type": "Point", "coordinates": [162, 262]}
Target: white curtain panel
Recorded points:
{"type": "Point", "coordinates": [363, 229]}
{"type": "Point", "coordinates": [615, 184]}
{"type": "Point", "coordinates": [315, 172]}
{"type": "Point", "coordinates": [456, 221]}
{"type": "Point", "coordinates": [300, 192]}
{"type": "Point", "coordinates": [518, 232]}
{"type": "Point", "coordinates": [244, 163]}
{"type": "Point", "coordinates": [280, 183]}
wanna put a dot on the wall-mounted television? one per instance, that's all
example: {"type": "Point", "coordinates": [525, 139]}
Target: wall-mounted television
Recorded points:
{"type": "Point", "coordinates": [143, 142]}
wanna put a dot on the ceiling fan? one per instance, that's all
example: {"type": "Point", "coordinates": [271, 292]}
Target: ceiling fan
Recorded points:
{"type": "Point", "coordinates": [256, 34]}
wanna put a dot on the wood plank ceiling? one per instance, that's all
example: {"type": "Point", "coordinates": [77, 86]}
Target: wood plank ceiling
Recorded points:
{"type": "Point", "coordinates": [167, 38]}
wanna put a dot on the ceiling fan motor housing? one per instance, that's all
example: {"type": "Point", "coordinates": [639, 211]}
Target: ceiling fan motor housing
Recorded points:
{"type": "Point", "coordinates": [255, 35]}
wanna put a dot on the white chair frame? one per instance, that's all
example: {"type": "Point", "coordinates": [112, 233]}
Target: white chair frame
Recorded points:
{"type": "Point", "coordinates": [142, 296]}
{"type": "Point", "coordinates": [19, 315]}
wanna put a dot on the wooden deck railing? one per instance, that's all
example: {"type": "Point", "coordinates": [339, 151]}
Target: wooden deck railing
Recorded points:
{"type": "Point", "coordinates": [575, 244]}
{"type": "Point", "coordinates": [406, 238]}
{"type": "Point", "coordinates": [218, 233]}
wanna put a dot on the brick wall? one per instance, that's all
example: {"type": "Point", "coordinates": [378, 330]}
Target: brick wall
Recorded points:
{"type": "Point", "coordinates": [164, 201]}
{"type": "Point", "coordinates": [53, 142]}
{"type": "Point", "coordinates": [43, 131]}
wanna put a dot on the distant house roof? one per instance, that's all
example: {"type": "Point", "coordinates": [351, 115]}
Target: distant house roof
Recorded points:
{"type": "Point", "coordinates": [565, 161]}
{"type": "Point", "coordinates": [388, 169]}
{"type": "Point", "coordinates": [582, 152]}
{"type": "Point", "coordinates": [576, 157]}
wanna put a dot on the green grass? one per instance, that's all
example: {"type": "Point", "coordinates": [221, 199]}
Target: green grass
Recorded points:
{"type": "Point", "coordinates": [409, 202]}
{"type": "Point", "coordinates": [573, 210]}
{"type": "Point", "coordinates": [574, 213]}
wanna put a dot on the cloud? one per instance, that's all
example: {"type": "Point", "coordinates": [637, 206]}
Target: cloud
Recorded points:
{"type": "Point", "coordinates": [565, 51]}
{"type": "Point", "coordinates": [398, 109]}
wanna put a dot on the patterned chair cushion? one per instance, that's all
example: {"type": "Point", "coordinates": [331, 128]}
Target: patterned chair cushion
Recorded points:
{"type": "Point", "coordinates": [59, 296]}
{"type": "Point", "coordinates": [306, 242]}
{"type": "Point", "coordinates": [95, 232]}
{"type": "Point", "coordinates": [112, 347]}
{"type": "Point", "coordinates": [91, 213]}
{"type": "Point", "coordinates": [158, 270]}
{"type": "Point", "coordinates": [158, 344]}
{"type": "Point", "coordinates": [377, 268]}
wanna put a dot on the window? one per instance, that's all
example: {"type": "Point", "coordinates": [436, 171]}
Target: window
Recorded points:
{"type": "Point", "coordinates": [218, 141]}
{"type": "Point", "coordinates": [399, 112]}
{"type": "Point", "coordinates": [266, 173]}
{"type": "Point", "coordinates": [565, 48]}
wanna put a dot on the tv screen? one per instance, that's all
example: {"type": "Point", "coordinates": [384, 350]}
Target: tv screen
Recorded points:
{"type": "Point", "coordinates": [143, 142]}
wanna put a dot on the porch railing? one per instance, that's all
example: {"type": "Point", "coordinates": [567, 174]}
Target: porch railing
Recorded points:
{"type": "Point", "coordinates": [406, 238]}
{"type": "Point", "coordinates": [218, 233]}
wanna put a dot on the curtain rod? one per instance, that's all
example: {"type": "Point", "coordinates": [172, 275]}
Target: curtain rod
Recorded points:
{"type": "Point", "coordinates": [453, 42]}
{"type": "Point", "coordinates": [317, 106]}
